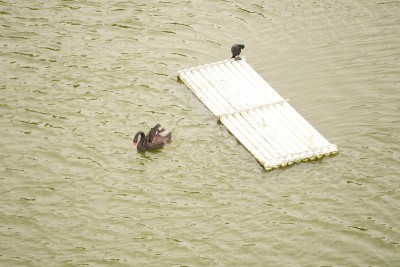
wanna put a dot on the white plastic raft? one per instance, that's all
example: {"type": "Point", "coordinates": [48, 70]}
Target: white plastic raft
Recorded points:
{"type": "Point", "coordinates": [255, 113]}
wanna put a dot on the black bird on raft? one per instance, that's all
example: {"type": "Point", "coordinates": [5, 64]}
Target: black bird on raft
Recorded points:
{"type": "Point", "coordinates": [153, 140]}
{"type": "Point", "coordinates": [236, 49]}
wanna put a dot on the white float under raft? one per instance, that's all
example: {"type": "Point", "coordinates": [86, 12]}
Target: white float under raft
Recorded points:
{"type": "Point", "coordinates": [255, 113]}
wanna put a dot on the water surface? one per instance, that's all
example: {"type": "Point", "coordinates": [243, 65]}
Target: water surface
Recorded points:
{"type": "Point", "coordinates": [79, 78]}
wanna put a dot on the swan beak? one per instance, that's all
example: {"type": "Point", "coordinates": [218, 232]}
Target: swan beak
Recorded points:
{"type": "Point", "coordinates": [134, 145]}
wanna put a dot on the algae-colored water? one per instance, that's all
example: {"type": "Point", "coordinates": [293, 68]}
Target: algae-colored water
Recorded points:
{"type": "Point", "coordinates": [80, 78]}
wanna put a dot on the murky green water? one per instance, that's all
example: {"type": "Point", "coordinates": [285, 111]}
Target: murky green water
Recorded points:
{"type": "Point", "coordinates": [79, 78]}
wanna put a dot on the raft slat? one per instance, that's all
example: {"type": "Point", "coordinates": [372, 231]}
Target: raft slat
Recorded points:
{"type": "Point", "coordinates": [255, 113]}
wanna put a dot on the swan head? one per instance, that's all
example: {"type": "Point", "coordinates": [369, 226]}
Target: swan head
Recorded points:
{"type": "Point", "coordinates": [136, 139]}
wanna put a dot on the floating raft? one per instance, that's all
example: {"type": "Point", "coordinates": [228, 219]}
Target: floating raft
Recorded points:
{"type": "Point", "coordinates": [255, 113]}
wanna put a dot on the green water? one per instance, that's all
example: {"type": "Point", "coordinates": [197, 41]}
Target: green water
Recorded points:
{"type": "Point", "coordinates": [80, 78]}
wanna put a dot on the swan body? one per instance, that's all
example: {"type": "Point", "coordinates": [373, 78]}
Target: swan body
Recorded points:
{"type": "Point", "coordinates": [154, 133]}
{"type": "Point", "coordinates": [152, 141]}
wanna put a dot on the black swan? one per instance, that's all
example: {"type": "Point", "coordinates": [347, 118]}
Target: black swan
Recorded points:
{"type": "Point", "coordinates": [142, 143]}
{"type": "Point", "coordinates": [236, 49]}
